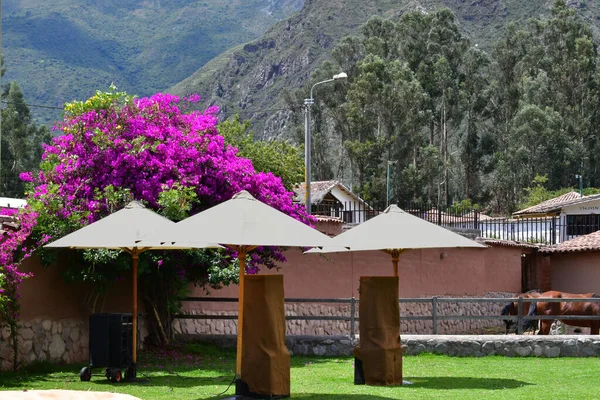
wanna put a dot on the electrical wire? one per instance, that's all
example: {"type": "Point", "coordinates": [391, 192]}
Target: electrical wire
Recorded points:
{"type": "Point", "coordinates": [34, 105]}
{"type": "Point", "coordinates": [221, 112]}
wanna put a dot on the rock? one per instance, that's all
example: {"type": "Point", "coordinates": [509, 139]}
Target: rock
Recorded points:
{"type": "Point", "coordinates": [65, 333]}
{"type": "Point", "coordinates": [47, 325]}
{"type": "Point", "coordinates": [74, 334]}
{"type": "Point", "coordinates": [551, 351]}
{"type": "Point", "coordinates": [489, 348]}
{"type": "Point", "coordinates": [25, 347]}
{"type": "Point", "coordinates": [5, 333]}
{"type": "Point", "coordinates": [26, 333]}
{"type": "Point", "coordinates": [319, 350]}
{"type": "Point", "coordinates": [523, 351]}
{"type": "Point", "coordinates": [570, 349]}
{"type": "Point", "coordinates": [440, 348]}
{"type": "Point", "coordinates": [57, 347]}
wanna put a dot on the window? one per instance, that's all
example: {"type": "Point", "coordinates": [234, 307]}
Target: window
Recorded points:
{"type": "Point", "coordinates": [578, 225]}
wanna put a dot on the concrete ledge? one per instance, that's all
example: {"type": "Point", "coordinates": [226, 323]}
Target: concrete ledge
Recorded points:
{"type": "Point", "coordinates": [452, 345]}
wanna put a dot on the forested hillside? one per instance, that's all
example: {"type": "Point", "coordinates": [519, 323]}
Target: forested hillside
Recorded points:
{"type": "Point", "coordinates": [457, 120]}
{"type": "Point", "coordinates": [62, 50]}
{"type": "Point", "coordinates": [252, 78]}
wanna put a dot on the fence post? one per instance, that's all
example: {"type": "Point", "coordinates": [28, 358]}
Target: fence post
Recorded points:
{"type": "Point", "coordinates": [520, 316]}
{"type": "Point", "coordinates": [352, 316]}
{"type": "Point", "coordinates": [434, 301]}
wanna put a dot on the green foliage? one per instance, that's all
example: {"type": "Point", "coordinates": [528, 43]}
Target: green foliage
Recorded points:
{"type": "Point", "coordinates": [462, 206]}
{"type": "Point", "coordinates": [536, 194]}
{"type": "Point", "coordinates": [21, 142]}
{"type": "Point", "coordinates": [177, 201]}
{"type": "Point", "coordinates": [276, 156]}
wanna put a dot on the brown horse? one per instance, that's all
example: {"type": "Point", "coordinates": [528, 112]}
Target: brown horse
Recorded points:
{"type": "Point", "coordinates": [567, 308]}
{"type": "Point", "coordinates": [512, 308]}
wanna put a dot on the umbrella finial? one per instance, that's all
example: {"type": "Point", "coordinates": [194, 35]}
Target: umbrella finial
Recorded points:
{"type": "Point", "coordinates": [393, 209]}
{"type": "Point", "coordinates": [244, 194]}
{"type": "Point", "coordinates": [135, 204]}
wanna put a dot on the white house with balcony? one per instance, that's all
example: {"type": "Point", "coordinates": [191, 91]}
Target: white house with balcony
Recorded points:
{"type": "Point", "coordinates": [552, 221]}
{"type": "Point", "coordinates": [333, 199]}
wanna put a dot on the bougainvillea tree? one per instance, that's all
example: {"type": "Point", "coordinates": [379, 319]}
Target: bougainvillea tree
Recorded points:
{"type": "Point", "coordinates": [115, 148]}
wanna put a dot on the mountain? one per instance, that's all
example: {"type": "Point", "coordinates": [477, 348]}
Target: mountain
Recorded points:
{"type": "Point", "coordinates": [62, 50]}
{"type": "Point", "coordinates": [251, 78]}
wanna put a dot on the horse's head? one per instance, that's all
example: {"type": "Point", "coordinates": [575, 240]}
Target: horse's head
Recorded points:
{"type": "Point", "coordinates": [512, 309]}
{"type": "Point", "coordinates": [509, 309]}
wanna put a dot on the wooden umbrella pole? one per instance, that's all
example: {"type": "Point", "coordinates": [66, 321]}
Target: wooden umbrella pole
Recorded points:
{"type": "Point", "coordinates": [238, 355]}
{"type": "Point", "coordinates": [135, 256]}
{"type": "Point", "coordinates": [395, 257]}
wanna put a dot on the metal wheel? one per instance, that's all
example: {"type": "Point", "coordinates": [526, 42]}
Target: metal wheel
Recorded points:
{"type": "Point", "coordinates": [85, 374]}
{"type": "Point", "coordinates": [115, 375]}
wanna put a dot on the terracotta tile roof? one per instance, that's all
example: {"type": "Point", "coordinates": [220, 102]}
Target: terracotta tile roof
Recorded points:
{"type": "Point", "coordinates": [327, 218]}
{"type": "Point", "coordinates": [319, 189]}
{"type": "Point", "coordinates": [589, 242]}
{"type": "Point", "coordinates": [511, 243]}
{"type": "Point", "coordinates": [551, 205]}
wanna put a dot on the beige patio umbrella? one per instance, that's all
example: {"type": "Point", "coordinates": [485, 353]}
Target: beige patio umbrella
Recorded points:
{"type": "Point", "coordinates": [243, 224]}
{"type": "Point", "coordinates": [123, 230]}
{"type": "Point", "coordinates": [394, 231]}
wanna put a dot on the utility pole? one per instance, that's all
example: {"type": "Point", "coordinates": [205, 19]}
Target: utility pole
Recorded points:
{"type": "Point", "coordinates": [2, 53]}
{"type": "Point", "coordinates": [389, 164]}
{"type": "Point", "coordinates": [307, 172]}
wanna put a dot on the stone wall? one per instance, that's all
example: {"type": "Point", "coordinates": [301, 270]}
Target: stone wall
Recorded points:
{"type": "Point", "coordinates": [453, 345]}
{"type": "Point", "coordinates": [61, 341]}
{"type": "Point", "coordinates": [320, 328]}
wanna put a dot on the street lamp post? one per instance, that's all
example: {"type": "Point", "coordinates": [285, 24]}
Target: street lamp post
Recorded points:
{"type": "Point", "coordinates": [389, 164]}
{"type": "Point", "coordinates": [307, 103]}
{"type": "Point", "coordinates": [580, 179]}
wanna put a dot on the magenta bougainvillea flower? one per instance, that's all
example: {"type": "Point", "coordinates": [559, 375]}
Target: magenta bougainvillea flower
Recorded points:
{"type": "Point", "coordinates": [113, 146]}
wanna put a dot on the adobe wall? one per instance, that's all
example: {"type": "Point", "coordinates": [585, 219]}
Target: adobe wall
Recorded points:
{"type": "Point", "coordinates": [576, 272]}
{"type": "Point", "coordinates": [54, 319]}
{"type": "Point", "coordinates": [491, 272]}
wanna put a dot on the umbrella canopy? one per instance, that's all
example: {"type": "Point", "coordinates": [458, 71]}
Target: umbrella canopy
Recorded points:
{"type": "Point", "coordinates": [243, 221]}
{"type": "Point", "coordinates": [395, 231]}
{"type": "Point", "coordinates": [123, 230]}
{"type": "Point", "coordinates": [242, 224]}
{"type": "Point", "coordinates": [120, 230]}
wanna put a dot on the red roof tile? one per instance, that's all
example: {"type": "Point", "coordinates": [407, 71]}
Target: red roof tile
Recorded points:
{"type": "Point", "coordinates": [590, 242]}
{"type": "Point", "coordinates": [550, 205]}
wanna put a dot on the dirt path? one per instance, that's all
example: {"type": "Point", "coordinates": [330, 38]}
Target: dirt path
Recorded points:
{"type": "Point", "coordinates": [63, 395]}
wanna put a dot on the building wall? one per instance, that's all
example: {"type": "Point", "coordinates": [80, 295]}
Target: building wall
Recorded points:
{"type": "Point", "coordinates": [576, 272]}
{"type": "Point", "coordinates": [54, 318]}
{"type": "Point", "coordinates": [55, 314]}
{"type": "Point", "coordinates": [502, 269]}
{"type": "Point", "coordinates": [344, 197]}
{"type": "Point", "coordinates": [450, 272]}
{"type": "Point", "coordinates": [491, 272]}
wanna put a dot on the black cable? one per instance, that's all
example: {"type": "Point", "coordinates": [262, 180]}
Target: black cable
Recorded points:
{"type": "Point", "coordinates": [34, 105]}
{"type": "Point", "coordinates": [225, 391]}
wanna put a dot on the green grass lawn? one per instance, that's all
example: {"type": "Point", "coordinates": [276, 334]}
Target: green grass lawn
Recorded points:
{"type": "Point", "coordinates": [202, 372]}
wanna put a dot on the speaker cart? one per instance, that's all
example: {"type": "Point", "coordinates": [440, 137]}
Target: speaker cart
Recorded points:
{"type": "Point", "coordinates": [110, 347]}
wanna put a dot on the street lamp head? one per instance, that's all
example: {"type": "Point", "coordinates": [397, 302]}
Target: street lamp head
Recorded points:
{"type": "Point", "coordinates": [341, 75]}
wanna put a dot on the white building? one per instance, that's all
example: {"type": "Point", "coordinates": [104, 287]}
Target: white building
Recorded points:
{"type": "Point", "coordinates": [332, 199]}
{"type": "Point", "coordinates": [552, 221]}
